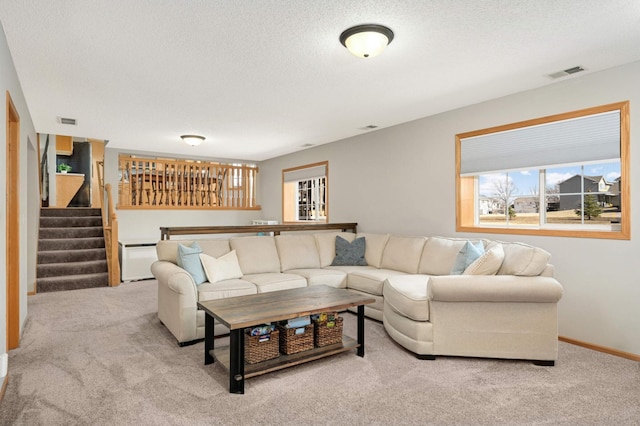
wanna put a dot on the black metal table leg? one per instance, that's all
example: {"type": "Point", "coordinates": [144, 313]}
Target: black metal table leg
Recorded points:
{"type": "Point", "coordinates": [236, 370]}
{"type": "Point", "coordinates": [360, 350]}
{"type": "Point", "coordinates": [208, 338]}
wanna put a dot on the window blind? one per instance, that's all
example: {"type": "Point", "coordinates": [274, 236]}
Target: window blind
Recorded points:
{"type": "Point", "coordinates": [305, 174]}
{"type": "Point", "coordinates": [573, 141]}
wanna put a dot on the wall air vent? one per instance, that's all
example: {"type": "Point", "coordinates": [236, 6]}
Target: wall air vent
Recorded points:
{"type": "Point", "coordinates": [69, 121]}
{"type": "Point", "coordinates": [566, 72]}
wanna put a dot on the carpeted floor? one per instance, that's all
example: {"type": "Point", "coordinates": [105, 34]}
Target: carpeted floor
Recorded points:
{"type": "Point", "coordinates": [101, 357]}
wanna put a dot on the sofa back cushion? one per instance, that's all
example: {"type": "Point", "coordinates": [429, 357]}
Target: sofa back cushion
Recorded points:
{"type": "Point", "coordinates": [256, 255]}
{"type": "Point", "coordinates": [522, 259]}
{"type": "Point", "coordinates": [168, 249]}
{"type": "Point", "coordinates": [439, 255]}
{"type": "Point", "coordinates": [374, 247]}
{"type": "Point", "coordinates": [326, 243]}
{"type": "Point", "coordinates": [297, 252]}
{"type": "Point", "coordinates": [403, 253]}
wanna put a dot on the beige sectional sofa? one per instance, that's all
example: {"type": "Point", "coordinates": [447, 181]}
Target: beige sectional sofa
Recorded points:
{"type": "Point", "coordinates": [504, 305]}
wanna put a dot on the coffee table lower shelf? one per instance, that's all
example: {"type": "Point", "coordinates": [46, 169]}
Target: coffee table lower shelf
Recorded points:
{"type": "Point", "coordinates": [221, 354]}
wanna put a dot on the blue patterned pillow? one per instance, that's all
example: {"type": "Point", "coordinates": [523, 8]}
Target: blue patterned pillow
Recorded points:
{"type": "Point", "coordinates": [349, 254]}
{"type": "Point", "coordinates": [189, 260]}
{"type": "Point", "coordinates": [466, 256]}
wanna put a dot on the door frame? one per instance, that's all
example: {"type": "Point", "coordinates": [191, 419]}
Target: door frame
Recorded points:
{"type": "Point", "coordinates": [12, 260]}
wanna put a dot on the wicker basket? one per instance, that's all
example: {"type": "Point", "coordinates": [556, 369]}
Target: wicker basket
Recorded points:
{"type": "Point", "coordinates": [327, 332]}
{"type": "Point", "coordinates": [291, 343]}
{"type": "Point", "coordinates": [256, 349]}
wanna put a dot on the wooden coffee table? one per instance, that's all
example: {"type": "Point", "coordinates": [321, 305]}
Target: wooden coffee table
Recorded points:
{"type": "Point", "coordinates": [238, 313]}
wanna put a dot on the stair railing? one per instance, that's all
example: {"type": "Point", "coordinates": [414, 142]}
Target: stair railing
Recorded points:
{"type": "Point", "coordinates": [110, 227]}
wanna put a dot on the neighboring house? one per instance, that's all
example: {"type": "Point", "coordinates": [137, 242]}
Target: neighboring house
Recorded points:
{"type": "Point", "coordinates": [488, 205]}
{"type": "Point", "coordinates": [595, 185]}
{"type": "Point", "coordinates": [530, 204]}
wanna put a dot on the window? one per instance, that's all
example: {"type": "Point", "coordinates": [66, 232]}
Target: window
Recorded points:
{"type": "Point", "coordinates": [304, 193]}
{"type": "Point", "coordinates": [563, 175]}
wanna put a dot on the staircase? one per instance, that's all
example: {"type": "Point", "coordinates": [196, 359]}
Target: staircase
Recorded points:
{"type": "Point", "coordinates": [71, 250]}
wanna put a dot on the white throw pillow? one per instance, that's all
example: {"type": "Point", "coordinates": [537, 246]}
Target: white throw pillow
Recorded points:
{"type": "Point", "coordinates": [223, 268]}
{"type": "Point", "coordinates": [488, 263]}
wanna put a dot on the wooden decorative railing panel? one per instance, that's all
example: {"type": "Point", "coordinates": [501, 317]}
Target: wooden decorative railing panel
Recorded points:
{"type": "Point", "coordinates": [147, 183]}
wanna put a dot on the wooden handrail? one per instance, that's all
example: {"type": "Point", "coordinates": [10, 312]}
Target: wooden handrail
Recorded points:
{"type": "Point", "coordinates": [111, 239]}
{"type": "Point", "coordinates": [167, 232]}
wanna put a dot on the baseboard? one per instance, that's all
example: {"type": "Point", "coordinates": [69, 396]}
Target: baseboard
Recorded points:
{"type": "Point", "coordinates": [599, 348]}
{"type": "Point", "coordinates": [4, 386]}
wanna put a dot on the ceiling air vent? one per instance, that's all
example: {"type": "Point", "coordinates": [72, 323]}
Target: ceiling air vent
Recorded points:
{"type": "Point", "coordinates": [566, 72]}
{"type": "Point", "coordinates": [69, 121]}
{"type": "Point", "coordinates": [369, 127]}
{"type": "Point", "coordinates": [307, 145]}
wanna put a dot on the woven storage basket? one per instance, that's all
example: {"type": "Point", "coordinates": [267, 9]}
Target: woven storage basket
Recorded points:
{"type": "Point", "coordinates": [258, 351]}
{"type": "Point", "coordinates": [291, 343]}
{"type": "Point", "coordinates": [323, 335]}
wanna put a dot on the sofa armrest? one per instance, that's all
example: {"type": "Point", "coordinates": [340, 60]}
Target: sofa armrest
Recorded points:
{"type": "Point", "coordinates": [493, 288]}
{"type": "Point", "coordinates": [177, 300]}
{"type": "Point", "coordinates": [175, 279]}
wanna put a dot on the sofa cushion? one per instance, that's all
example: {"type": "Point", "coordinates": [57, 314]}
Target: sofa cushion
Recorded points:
{"type": "Point", "coordinates": [375, 247]}
{"type": "Point", "coordinates": [189, 259]}
{"type": "Point", "coordinates": [370, 280]}
{"type": "Point", "coordinates": [330, 277]}
{"type": "Point", "coordinates": [326, 243]}
{"type": "Point", "coordinates": [215, 247]}
{"type": "Point", "coordinates": [275, 281]}
{"type": "Point", "coordinates": [297, 251]}
{"type": "Point", "coordinates": [168, 249]}
{"type": "Point", "coordinates": [439, 255]}
{"type": "Point", "coordinates": [487, 264]}
{"type": "Point", "coordinates": [224, 289]}
{"type": "Point", "coordinates": [403, 253]}
{"type": "Point", "coordinates": [466, 256]}
{"type": "Point", "coordinates": [522, 259]}
{"type": "Point", "coordinates": [350, 253]}
{"type": "Point", "coordinates": [256, 255]}
{"type": "Point", "coordinates": [407, 294]}
{"type": "Point", "coordinates": [225, 267]}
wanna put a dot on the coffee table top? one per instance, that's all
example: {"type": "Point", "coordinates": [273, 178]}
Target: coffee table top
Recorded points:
{"type": "Point", "coordinates": [254, 309]}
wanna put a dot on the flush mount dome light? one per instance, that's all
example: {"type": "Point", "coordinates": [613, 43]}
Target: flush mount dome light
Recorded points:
{"type": "Point", "coordinates": [366, 41]}
{"type": "Point", "coordinates": [193, 140]}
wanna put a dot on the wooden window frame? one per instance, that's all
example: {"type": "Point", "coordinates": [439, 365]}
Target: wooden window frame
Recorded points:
{"type": "Point", "coordinates": [466, 188]}
{"type": "Point", "coordinates": [289, 199]}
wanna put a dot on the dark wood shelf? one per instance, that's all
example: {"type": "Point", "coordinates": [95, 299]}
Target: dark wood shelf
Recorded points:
{"type": "Point", "coordinates": [167, 232]}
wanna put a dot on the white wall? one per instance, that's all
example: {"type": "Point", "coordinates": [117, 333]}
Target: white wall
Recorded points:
{"type": "Point", "coordinates": [402, 180]}
{"type": "Point", "coordinates": [9, 82]}
{"type": "Point", "coordinates": [145, 224]}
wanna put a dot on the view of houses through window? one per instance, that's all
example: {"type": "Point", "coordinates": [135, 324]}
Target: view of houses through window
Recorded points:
{"type": "Point", "coordinates": [558, 175]}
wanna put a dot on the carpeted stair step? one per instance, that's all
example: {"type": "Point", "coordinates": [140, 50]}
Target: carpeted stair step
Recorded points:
{"type": "Point", "coordinates": [61, 256]}
{"type": "Point", "coordinates": [71, 268]}
{"type": "Point", "coordinates": [73, 282]}
{"type": "Point", "coordinates": [59, 222]}
{"type": "Point", "coordinates": [70, 244]}
{"type": "Point", "coordinates": [69, 212]}
{"type": "Point", "coordinates": [75, 232]}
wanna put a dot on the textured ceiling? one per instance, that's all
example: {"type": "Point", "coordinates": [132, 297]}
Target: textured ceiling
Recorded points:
{"type": "Point", "coordinates": [263, 78]}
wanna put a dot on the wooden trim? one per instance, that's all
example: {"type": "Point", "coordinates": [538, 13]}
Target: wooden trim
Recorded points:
{"type": "Point", "coordinates": [4, 386]}
{"type": "Point", "coordinates": [167, 232]}
{"type": "Point", "coordinates": [12, 261]}
{"type": "Point", "coordinates": [599, 348]}
{"type": "Point", "coordinates": [465, 192]}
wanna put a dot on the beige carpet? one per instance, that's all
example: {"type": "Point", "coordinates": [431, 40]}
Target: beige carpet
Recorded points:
{"type": "Point", "coordinates": [101, 357]}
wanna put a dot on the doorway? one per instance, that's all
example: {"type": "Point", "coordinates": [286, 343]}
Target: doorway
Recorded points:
{"type": "Point", "coordinates": [13, 225]}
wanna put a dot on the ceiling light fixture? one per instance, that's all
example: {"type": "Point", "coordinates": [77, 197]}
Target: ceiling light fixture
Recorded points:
{"type": "Point", "coordinates": [193, 140]}
{"type": "Point", "coordinates": [366, 41]}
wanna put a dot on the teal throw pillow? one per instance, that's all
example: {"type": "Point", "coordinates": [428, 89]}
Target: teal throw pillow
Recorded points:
{"type": "Point", "coordinates": [349, 254]}
{"type": "Point", "coordinates": [189, 260]}
{"type": "Point", "coordinates": [466, 256]}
